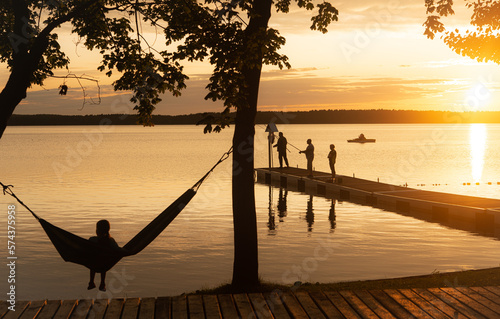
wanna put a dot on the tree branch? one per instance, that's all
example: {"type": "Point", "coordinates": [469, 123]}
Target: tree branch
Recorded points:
{"type": "Point", "coordinates": [41, 41]}
{"type": "Point", "coordinates": [78, 10]}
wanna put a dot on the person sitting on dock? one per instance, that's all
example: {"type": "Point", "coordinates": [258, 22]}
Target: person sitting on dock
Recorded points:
{"type": "Point", "coordinates": [281, 145]}
{"type": "Point", "coordinates": [332, 158]}
{"type": "Point", "coordinates": [309, 151]}
{"type": "Point", "coordinates": [103, 238]}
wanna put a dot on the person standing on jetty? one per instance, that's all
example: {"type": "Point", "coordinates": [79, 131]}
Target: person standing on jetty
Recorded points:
{"type": "Point", "coordinates": [281, 145]}
{"type": "Point", "coordinates": [332, 158]}
{"type": "Point", "coordinates": [309, 151]}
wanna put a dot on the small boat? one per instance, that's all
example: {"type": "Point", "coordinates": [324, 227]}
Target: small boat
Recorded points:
{"type": "Point", "coordinates": [362, 139]}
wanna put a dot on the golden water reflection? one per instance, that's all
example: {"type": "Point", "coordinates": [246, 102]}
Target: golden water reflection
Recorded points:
{"type": "Point", "coordinates": [477, 139]}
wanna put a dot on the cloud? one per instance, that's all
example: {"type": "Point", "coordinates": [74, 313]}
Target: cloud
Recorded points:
{"type": "Point", "coordinates": [112, 102]}
{"type": "Point", "coordinates": [301, 88]}
{"type": "Point", "coordinates": [295, 89]}
{"type": "Point", "coordinates": [75, 102]}
{"type": "Point", "coordinates": [346, 90]}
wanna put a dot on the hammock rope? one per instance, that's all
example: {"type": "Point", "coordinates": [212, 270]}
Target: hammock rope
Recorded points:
{"type": "Point", "coordinates": [8, 191]}
{"type": "Point", "coordinates": [224, 157]}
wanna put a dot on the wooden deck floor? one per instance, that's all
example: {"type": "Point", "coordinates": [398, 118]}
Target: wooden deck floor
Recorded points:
{"type": "Point", "coordinates": [460, 302]}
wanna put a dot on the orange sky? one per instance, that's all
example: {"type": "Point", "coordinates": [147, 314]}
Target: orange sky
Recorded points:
{"type": "Point", "coordinates": [375, 56]}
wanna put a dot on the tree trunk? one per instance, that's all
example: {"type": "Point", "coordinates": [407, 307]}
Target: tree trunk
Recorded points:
{"type": "Point", "coordinates": [13, 93]}
{"type": "Point", "coordinates": [246, 264]}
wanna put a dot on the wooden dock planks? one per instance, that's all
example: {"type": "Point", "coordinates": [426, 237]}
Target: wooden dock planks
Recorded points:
{"type": "Point", "coordinates": [458, 302]}
{"type": "Point", "coordinates": [32, 310]}
{"type": "Point", "coordinates": [260, 306]}
{"type": "Point", "coordinates": [147, 308]}
{"type": "Point", "coordinates": [195, 307]}
{"type": "Point", "coordinates": [179, 307]}
{"type": "Point", "coordinates": [130, 308]}
{"type": "Point", "coordinates": [212, 310]}
{"type": "Point", "coordinates": [227, 306]}
{"type": "Point", "coordinates": [276, 305]}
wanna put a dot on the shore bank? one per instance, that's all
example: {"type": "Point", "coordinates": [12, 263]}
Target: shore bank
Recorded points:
{"type": "Point", "coordinates": [466, 278]}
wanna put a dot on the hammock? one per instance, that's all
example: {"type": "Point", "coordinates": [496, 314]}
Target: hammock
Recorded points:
{"type": "Point", "coordinates": [76, 249]}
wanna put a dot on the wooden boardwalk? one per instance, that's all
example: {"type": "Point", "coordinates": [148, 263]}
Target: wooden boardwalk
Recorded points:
{"type": "Point", "coordinates": [460, 302]}
{"type": "Point", "coordinates": [458, 211]}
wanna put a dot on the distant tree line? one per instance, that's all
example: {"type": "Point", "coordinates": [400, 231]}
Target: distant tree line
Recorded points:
{"type": "Point", "coordinates": [302, 117]}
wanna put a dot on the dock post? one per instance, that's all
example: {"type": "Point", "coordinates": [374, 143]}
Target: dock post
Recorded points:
{"type": "Point", "coordinates": [271, 128]}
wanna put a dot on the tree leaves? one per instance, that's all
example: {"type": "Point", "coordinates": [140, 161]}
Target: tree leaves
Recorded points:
{"type": "Point", "coordinates": [481, 41]}
{"type": "Point", "coordinates": [326, 14]}
{"type": "Point", "coordinates": [217, 122]}
{"type": "Point", "coordinates": [432, 26]}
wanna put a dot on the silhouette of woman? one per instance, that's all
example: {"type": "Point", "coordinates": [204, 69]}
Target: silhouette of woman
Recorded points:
{"type": "Point", "coordinates": [103, 238]}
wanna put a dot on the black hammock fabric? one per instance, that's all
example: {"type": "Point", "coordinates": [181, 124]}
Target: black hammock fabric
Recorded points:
{"type": "Point", "coordinates": [82, 251]}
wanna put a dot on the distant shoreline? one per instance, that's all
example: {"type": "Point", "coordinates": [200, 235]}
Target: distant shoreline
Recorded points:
{"type": "Point", "coordinates": [303, 117]}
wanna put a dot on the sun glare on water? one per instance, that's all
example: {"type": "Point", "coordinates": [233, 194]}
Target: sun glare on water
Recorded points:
{"type": "Point", "coordinates": [477, 138]}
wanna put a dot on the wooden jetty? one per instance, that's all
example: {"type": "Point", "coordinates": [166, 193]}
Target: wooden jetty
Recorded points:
{"type": "Point", "coordinates": [448, 302]}
{"type": "Point", "coordinates": [469, 213]}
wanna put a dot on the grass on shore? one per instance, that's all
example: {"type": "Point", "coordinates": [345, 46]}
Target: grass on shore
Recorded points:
{"type": "Point", "coordinates": [468, 278]}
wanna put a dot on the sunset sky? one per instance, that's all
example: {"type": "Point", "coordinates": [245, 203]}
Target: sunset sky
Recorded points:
{"type": "Point", "coordinates": [375, 56]}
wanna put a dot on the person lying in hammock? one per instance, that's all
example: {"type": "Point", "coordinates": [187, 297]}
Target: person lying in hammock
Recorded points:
{"type": "Point", "coordinates": [103, 238]}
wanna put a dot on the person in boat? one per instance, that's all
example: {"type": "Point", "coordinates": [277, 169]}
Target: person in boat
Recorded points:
{"type": "Point", "coordinates": [281, 145]}
{"type": "Point", "coordinates": [309, 151]}
{"type": "Point", "coordinates": [103, 238]}
{"type": "Point", "coordinates": [362, 136]}
{"type": "Point", "coordinates": [332, 158]}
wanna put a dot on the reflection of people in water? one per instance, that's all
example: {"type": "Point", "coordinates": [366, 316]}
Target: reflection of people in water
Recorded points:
{"type": "Point", "coordinates": [309, 151]}
{"type": "Point", "coordinates": [310, 213]}
{"type": "Point", "coordinates": [282, 203]}
{"type": "Point", "coordinates": [281, 145]}
{"type": "Point", "coordinates": [104, 239]}
{"type": "Point", "coordinates": [332, 217]}
{"type": "Point", "coordinates": [271, 223]}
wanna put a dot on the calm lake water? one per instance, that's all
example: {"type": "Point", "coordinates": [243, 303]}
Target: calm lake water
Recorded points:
{"type": "Point", "coordinates": [74, 176]}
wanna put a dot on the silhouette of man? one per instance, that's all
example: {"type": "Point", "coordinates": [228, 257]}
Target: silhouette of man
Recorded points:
{"type": "Point", "coordinates": [309, 151]}
{"type": "Point", "coordinates": [281, 145]}
{"type": "Point", "coordinates": [332, 158]}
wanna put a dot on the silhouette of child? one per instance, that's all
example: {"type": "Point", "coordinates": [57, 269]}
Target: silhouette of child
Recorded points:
{"type": "Point", "coordinates": [103, 238]}
{"type": "Point", "coordinates": [332, 158]}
